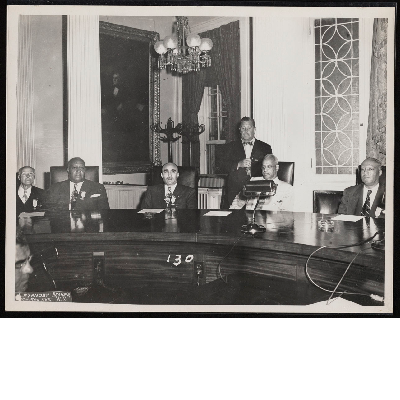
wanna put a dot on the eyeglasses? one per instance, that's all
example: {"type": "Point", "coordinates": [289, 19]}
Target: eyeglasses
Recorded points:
{"type": "Point", "coordinates": [370, 169]}
{"type": "Point", "coordinates": [21, 264]}
{"type": "Point", "coordinates": [78, 168]}
{"type": "Point", "coordinates": [27, 174]}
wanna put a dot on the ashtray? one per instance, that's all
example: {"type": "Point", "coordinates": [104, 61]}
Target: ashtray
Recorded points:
{"type": "Point", "coordinates": [326, 225]}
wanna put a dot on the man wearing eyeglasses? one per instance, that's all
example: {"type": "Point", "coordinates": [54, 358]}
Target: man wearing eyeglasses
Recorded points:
{"type": "Point", "coordinates": [29, 198]}
{"type": "Point", "coordinates": [23, 267]}
{"type": "Point", "coordinates": [77, 193]}
{"type": "Point", "coordinates": [365, 199]}
{"type": "Point", "coordinates": [243, 158]}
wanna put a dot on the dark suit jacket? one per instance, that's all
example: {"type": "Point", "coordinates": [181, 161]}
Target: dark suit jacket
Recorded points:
{"type": "Point", "coordinates": [155, 195]}
{"type": "Point", "coordinates": [233, 153]}
{"type": "Point", "coordinates": [36, 193]}
{"type": "Point", "coordinates": [58, 196]}
{"type": "Point", "coordinates": [352, 200]}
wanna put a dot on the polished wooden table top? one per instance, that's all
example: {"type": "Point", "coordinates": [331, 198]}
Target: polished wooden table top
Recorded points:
{"type": "Point", "coordinates": [282, 228]}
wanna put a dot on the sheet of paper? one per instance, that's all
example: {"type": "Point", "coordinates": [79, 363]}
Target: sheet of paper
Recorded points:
{"type": "Point", "coordinates": [218, 213]}
{"type": "Point", "coordinates": [256, 178]}
{"type": "Point", "coordinates": [342, 217]}
{"type": "Point", "coordinates": [151, 210]}
{"type": "Point", "coordinates": [32, 214]}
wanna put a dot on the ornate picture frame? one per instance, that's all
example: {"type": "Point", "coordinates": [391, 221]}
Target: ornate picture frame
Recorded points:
{"type": "Point", "coordinates": [129, 145]}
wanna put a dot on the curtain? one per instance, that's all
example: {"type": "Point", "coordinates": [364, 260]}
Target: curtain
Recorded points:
{"type": "Point", "coordinates": [25, 127]}
{"type": "Point", "coordinates": [84, 95]}
{"type": "Point", "coordinates": [376, 133]}
{"type": "Point", "coordinates": [192, 94]}
{"type": "Point", "coordinates": [224, 71]}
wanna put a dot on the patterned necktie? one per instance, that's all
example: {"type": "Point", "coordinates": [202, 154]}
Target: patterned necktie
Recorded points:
{"type": "Point", "coordinates": [366, 208]}
{"type": "Point", "coordinates": [74, 197]}
{"type": "Point", "coordinates": [25, 196]}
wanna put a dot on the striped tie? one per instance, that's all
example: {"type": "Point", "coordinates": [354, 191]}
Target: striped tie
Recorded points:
{"type": "Point", "coordinates": [366, 208]}
{"type": "Point", "coordinates": [25, 196]}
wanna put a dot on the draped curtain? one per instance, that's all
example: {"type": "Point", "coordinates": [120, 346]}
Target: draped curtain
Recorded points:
{"type": "Point", "coordinates": [224, 71]}
{"type": "Point", "coordinates": [84, 95]}
{"type": "Point", "coordinates": [25, 127]}
{"type": "Point", "coordinates": [376, 133]}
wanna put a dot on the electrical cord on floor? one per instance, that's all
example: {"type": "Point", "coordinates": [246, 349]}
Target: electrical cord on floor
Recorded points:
{"type": "Point", "coordinates": [225, 256]}
{"type": "Point", "coordinates": [372, 296]}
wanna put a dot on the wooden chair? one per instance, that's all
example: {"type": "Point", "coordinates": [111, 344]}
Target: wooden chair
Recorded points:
{"type": "Point", "coordinates": [326, 201]}
{"type": "Point", "coordinates": [286, 171]}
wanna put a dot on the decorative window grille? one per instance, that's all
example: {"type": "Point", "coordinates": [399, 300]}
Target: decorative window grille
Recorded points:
{"type": "Point", "coordinates": [336, 95]}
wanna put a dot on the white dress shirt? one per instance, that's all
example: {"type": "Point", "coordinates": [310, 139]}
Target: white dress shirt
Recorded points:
{"type": "Point", "coordinates": [21, 192]}
{"type": "Point", "coordinates": [372, 195]}
{"type": "Point", "coordinates": [248, 148]}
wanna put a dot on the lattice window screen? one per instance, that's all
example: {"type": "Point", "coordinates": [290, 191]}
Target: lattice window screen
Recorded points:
{"type": "Point", "coordinates": [336, 95]}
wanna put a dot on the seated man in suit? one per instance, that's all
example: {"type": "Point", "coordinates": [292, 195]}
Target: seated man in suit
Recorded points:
{"type": "Point", "coordinates": [77, 193]}
{"type": "Point", "coordinates": [158, 196]}
{"type": "Point", "coordinates": [283, 198]}
{"type": "Point", "coordinates": [23, 267]}
{"type": "Point", "coordinates": [242, 159]}
{"type": "Point", "coordinates": [29, 197]}
{"type": "Point", "coordinates": [365, 198]}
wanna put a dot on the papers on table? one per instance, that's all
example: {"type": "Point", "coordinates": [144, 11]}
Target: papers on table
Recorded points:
{"type": "Point", "coordinates": [151, 210]}
{"type": "Point", "coordinates": [343, 217]}
{"type": "Point", "coordinates": [32, 214]}
{"type": "Point", "coordinates": [217, 213]}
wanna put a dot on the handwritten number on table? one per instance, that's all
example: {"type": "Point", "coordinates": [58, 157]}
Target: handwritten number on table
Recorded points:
{"type": "Point", "coordinates": [178, 259]}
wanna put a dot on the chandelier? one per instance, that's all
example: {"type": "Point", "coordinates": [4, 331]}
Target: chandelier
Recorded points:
{"type": "Point", "coordinates": [184, 52]}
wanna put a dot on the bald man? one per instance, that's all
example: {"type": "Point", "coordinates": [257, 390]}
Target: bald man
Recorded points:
{"type": "Point", "coordinates": [364, 199]}
{"type": "Point", "coordinates": [158, 196]}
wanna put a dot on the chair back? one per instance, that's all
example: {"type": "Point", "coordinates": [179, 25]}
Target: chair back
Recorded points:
{"type": "Point", "coordinates": [286, 171]}
{"type": "Point", "coordinates": [326, 201]}
{"type": "Point", "coordinates": [59, 174]}
{"type": "Point", "coordinates": [187, 176]}
{"type": "Point", "coordinates": [382, 178]}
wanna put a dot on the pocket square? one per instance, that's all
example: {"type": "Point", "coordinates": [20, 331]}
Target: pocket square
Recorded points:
{"type": "Point", "coordinates": [95, 195]}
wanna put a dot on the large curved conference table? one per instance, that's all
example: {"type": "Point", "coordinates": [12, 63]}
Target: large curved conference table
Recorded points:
{"type": "Point", "coordinates": [124, 256]}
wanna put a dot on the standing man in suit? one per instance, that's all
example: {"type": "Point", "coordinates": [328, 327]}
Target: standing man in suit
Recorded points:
{"type": "Point", "coordinates": [29, 197]}
{"type": "Point", "coordinates": [283, 200]}
{"type": "Point", "coordinates": [77, 193]}
{"type": "Point", "coordinates": [159, 196]}
{"type": "Point", "coordinates": [243, 159]}
{"type": "Point", "coordinates": [365, 198]}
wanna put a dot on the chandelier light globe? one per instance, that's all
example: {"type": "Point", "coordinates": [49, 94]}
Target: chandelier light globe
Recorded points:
{"type": "Point", "coordinates": [193, 40]}
{"type": "Point", "coordinates": [183, 51]}
{"type": "Point", "coordinates": [171, 42]}
{"type": "Point", "coordinates": [206, 44]}
{"type": "Point", "coordinates": [160, 48]}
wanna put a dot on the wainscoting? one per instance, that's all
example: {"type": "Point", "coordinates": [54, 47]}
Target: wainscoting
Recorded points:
{"type": "Point", "coordinates": [130, 196]}
{"type": "Point", "coordinates": [125, 196]}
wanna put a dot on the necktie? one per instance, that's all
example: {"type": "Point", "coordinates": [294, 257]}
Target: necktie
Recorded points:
{"type": "Point", "coordinates": [169, 191]}
{"type": "Point", "coordinates": [25, 196]}
{"type": "Point", "coordinates": [366, 208]}
{"type": "Point", "coordinates": [74, 197]}
{"type": "Point", "coordinates": [246, 143]}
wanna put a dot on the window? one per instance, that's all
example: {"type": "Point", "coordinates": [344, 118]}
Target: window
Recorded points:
{"type": "Point", "coordinates": [336, 95]}
{"type": "Point", "coordinates": [213, 115]}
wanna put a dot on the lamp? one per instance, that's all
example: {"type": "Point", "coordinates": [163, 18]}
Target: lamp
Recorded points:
{"type": "Point", "coordinates": [185, 52]}
{"type": "Point", "coordinates": [260, 188]}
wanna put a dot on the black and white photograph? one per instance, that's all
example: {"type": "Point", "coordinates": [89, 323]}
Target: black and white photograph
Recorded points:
{"type": "Point", "coordinates": [200, 159]}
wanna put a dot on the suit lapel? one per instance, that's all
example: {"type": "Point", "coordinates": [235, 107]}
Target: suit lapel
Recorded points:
{"type": "Point", "coordinates": [377, 200]}
{"type": "Point", "coordinates": [358, 198]}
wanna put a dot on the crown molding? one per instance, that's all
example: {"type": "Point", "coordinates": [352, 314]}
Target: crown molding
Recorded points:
{"type": "Point", "coordinates": [212, 24]}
